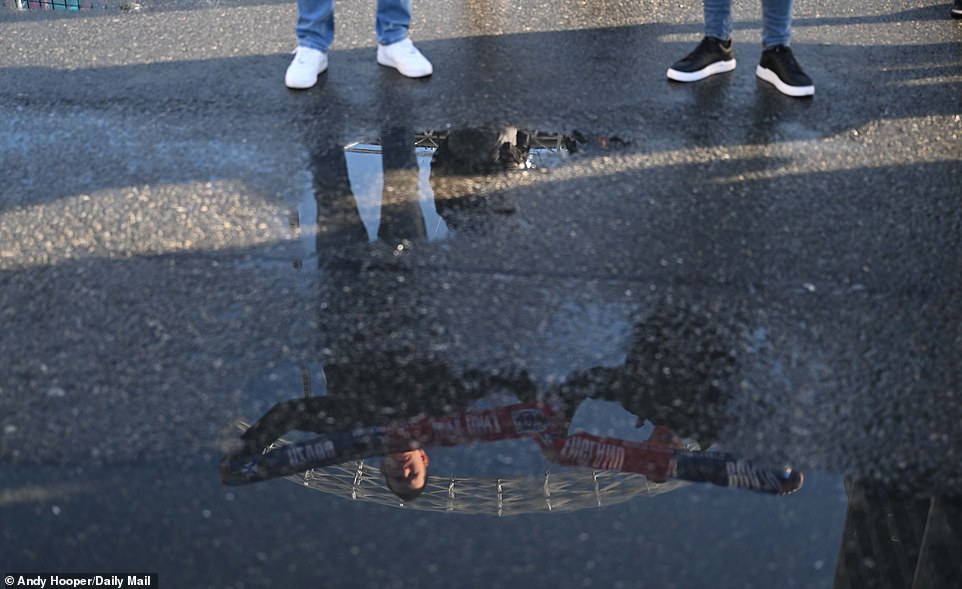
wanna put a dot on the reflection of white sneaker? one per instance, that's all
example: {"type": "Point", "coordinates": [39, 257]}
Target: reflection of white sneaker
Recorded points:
{"type": "Point", "coordinates": [405, 58]}
{"type": "Point", "coordinates": [307, 64]}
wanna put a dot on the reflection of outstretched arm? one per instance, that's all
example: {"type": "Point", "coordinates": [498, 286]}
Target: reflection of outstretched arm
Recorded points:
{"type": "Point", "coordinates": [325, 450]}
{"type": "Point", "coordinates": [662, 458]}
{"type": "Point", "coordinates": [312, 414]}
{"type": "Point", "coordinates": [363, 396]}
{"type": "Point", "coordinates": [502, 423]}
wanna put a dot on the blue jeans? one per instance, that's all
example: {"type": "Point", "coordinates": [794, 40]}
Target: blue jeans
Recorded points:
{"type": "Point", "coordinates": [315, 22]}
{"type": "Point", "coordinates": [776, 21]}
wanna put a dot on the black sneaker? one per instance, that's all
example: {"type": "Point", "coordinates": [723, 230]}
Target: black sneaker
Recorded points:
{"type": "Point", "coordinates": [957, 9]}
{"type": "Point", "coordinates": [779, 68]}
{"type": "Point", "coordinates": [712, 56]}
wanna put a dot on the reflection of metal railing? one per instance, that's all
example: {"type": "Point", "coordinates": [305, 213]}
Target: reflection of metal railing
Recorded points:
{"type": "Point", "coordinates": [50, 4]}
{"type": "Point", "coordinates": [551, 141]}
{"type": "Point", "coordinates": [433, 140]}
{"type": "Point", "coordinates": [537, 139]}
{"type": "Point", "coordinates": [533, 147]}
{"type": "Point", "coordinates": [569, 490]}
{"type": "Point", "coordinates": [429, 139]}
{"type": "Point", "coordinates": [73, 5]}
{"type": "Point", "coordinates": [373, 147]}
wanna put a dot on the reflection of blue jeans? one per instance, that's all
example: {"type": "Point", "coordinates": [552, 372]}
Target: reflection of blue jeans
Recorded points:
{"type": "Point", "coordinates": [315, 22]}
{"type": "Point", "coordinates": [776, 17]}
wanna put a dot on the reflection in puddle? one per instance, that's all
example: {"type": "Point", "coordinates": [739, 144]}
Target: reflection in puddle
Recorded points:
{"type": "Point", "coordinates": [497, 444]}
{"type": "Point", "coordinates": [68, 5]}
{"type": "Point", "coordinates": [38, 493]}
{"type": "Point", "coordinates": [525, 447]}
{"type": "Point", "coordinates": [365, 168]}
{"type": "Point", "coordinates": [581, 469]}
{"type": "Point", "coordinates": [394, 179]}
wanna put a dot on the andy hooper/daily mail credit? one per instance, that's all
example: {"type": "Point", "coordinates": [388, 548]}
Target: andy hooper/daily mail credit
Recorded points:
{"type": "Point", "coordinates": [50, 580]}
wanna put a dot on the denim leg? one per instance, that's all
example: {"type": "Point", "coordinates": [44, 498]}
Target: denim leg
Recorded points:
{"type": "Point", "coordinates": [777, 22]}
{"type": "Point", "coordinates": [315, 24]}
{"type": "Point", "coordinates": [718, 19]}
{"type": "Point", "coordinates": [393, 20]}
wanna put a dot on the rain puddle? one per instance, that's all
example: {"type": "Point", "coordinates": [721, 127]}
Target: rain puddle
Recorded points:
{"type": "Point", "coordinates": [393, 183]}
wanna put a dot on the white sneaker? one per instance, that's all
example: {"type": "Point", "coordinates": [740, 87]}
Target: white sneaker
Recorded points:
{"type": "Point", "coordinates": [307, 64]}
{"type": "Point", "coordinates": [405, 58]}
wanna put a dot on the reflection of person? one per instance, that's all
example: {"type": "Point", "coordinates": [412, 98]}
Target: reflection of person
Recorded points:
{"type": "Point", "coordinates": [405, 463]}
{"type": "Point", "coordinates": [402, 442]}
{"type": "Point", "coordinates": [715, 54]}
{"type": "Point", "coordinates": [315, 33]}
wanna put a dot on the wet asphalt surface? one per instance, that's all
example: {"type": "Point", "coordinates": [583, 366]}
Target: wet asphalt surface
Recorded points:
{"type": "Point", "coordinates": [179, 248]}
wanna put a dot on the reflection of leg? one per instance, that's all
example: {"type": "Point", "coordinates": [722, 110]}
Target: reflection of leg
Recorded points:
{"type": "Point", "coordinates": [337, 216]}
{"type": "Point", "coordinates": [400, 208]}
{"type": "Point", "coordinates": [881, 538]}
{"type": "Point", "coordinates": [942, 542]}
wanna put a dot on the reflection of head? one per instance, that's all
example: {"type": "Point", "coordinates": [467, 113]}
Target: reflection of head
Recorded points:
{"type": "Point", "coordinates": [679, 362]}
{"type": "Point", "coordinates": [682, 353]}
{"type": "Point", "coordinates": [406, 473]}
{"type": "Point", "coordinates": [480, 151]}
{"type": "Point", "coordinates": [675, 372]}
